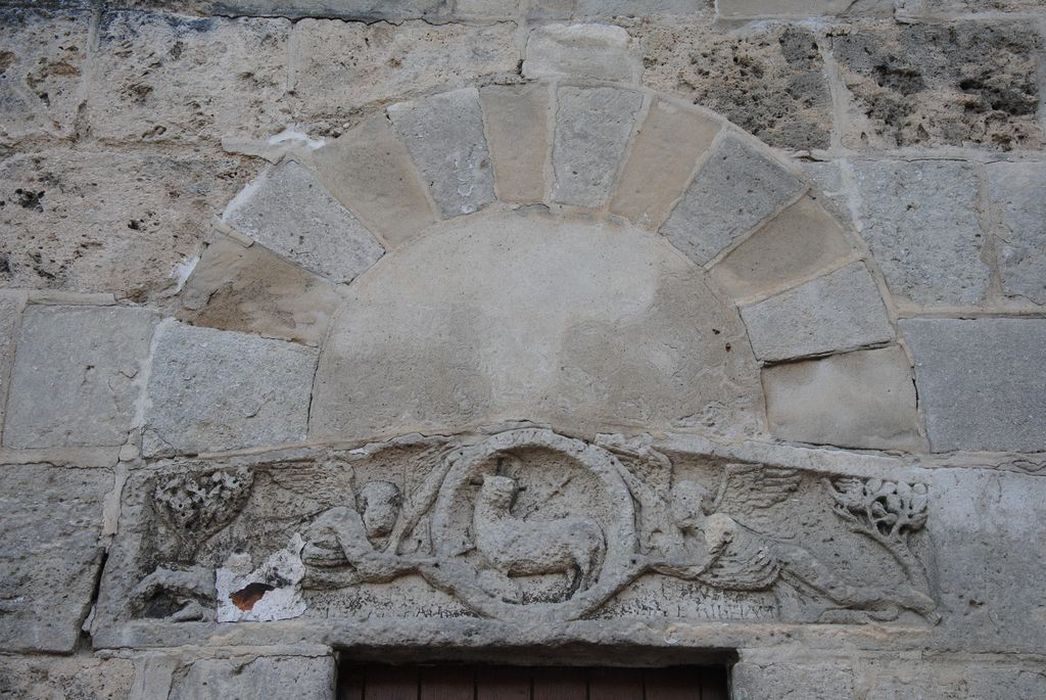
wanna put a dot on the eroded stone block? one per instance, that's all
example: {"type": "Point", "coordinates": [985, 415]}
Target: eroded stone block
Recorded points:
{"type": "Point", "coordinates": [593, 126]}
{"type": "Point", "coordinates": [444, 135]}
{"type": "Point", "coordinates": [920, 220]}
{"type": "Point", "coordinates": [736, 189]}
{"type": "Point", "coordinates": [784, 680]}
{"type": "Point", "coordinates": [761, 9]}
{"type": "Point", "coordinates": [839, 311]}
{"type": "Point", "coordinates": [11, 304]}
{"type": "Point", "coordinates": [213, 390]}
{"type": "Point", "coordinates": [75, 379]}
{"type": "Point", "coordinates": [49, 553]}
{"type": "Point", "coordinates": [57, 678]}
{"type": "Point", "coordinates": [516, 118]}
{"type": "Point", "coordinates": [580, 51]}
{"type": "Point", "coordinates": [981, 382]}
{"type": "Point", "coordinates": [275, 677]}
{"type": "Point", "coordinates": [857, 399]}
{"type": "Point", "coordinates": [1018, 192]}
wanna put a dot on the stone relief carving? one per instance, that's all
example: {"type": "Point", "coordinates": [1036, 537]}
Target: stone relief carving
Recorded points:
{"type": "Point", "coordinates": [525, 524]}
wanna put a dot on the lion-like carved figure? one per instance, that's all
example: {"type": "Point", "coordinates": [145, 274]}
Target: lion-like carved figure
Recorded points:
{"type": "Point", "coordinates": [518, 547]}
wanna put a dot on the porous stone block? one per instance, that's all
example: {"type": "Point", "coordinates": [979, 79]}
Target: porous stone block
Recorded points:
{"type": "Point", "coordinates": [290, 212]}
{"type": "Point", "coordinates": [1018, 193]}
{"type": "Point", "coordinates": [986, 677]}
{"type": "Point", "coordinates": [353, 10]}
{"type": "Point", "coordinates": [839, 311]}
{"type": "Point", "coordinates": [211, 390]}
{"type": "Point", "coordinates": [58, 678]}
{"type": "Point", "coordinates": [517, 122]}
{"type": "Point", "coordinates": [275, 677]}
{"type": "Point", "coordinates": [795, 244]}
{"type": "Point", "coordinates": [444, 135]}
{"type": "Point", "coordinates": [760, 9]}
{"type": "Point", "coordinates": [11, 304]}
{"type": "Point", "coordinates": [981, 382]}
{"type": "Point", "coordinates": [666, 150]}
{"type": "Point", "coordinates": [369, 170]}
{"type": "Point", "coordinates": [932, 84]}
{"type": "Point", "coordinates": [768, 79]}
{"type": "Point", "coordinates": [252, 290]}
{"type": "Point", "coordinates": [857, 399]}
{"type": "Point", "coordinates": [75, 379]}
{"type": "Point", "coordinates": [793, 678]}
{"type": "Point", "coordinates": [580, 51]}
{"type": "Point", "coordinates": [950, 8]}
{"type": "Point", "coordinates": [169, 77]}
{"type": "Point", "coordinates": [49, 553]}
{"type": "Point", "coordinates": [736, 189]}
{"type": "Point", "coordinates": [593, 126]}
{"type": "Point", "coordinates": [920, 220]}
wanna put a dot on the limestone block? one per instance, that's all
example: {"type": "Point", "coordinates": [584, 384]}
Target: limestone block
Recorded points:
{"type": "Point", "coordinates": [931, 84]}
{"type": "Point", "coordinates": [212, 390]}
{"type": "Point", "coordinates": [593, 126]}
{"type": "Point", "coordinates": [938, 8]}
{"type": "Point", "coordinates": [41, 67]}
{"type": "Point", "coordinates": [920, 220]}
{"type": "Point", "coordinates": [1018, 193]}
{"type": "Point", "coordinates": [839, 311]}
{"type": "Point", "coordinates": [857, 399]}
{"type": "Point", "coordinates": [274, 677]}
{"type": "Point", "coordinates": [759, 9]}
{"type": "Point", "coordinates": [252, 290]}
{"type": "Point", "coordinates": [168, 77]}
{"type": "Point", "coordinates": [444, 135]}
{"type": "Point", "coordinates": [768, 79]}
{"type": "Point", "coordinates": [49, 553]}
{"type": "Point", "coordinates": [736, 190]}
{"type": "Point", "coordinates": [971, 402]}
{"type": "Point", "coordinates": [11, 304]}
{"type": "Point", "coordinates": [96, 220]}
{"type": "Point", "coordinates": [798, 242]}
{"type": "Point", "coordinates": [369, 170]}
{"type": "Point", "coordinates": [580, 51]}
{"type": "Point", "coordinates": [289, 211]}
{"type": "Point", "coordinates": [58, 678]}
{"type": "Point", "coordinates": [635, 8]}
{"type": "Point", "coordinates": [75, 379]}
{"type": "Point", "coordinates": [487, 9]}
{"type": "Point", "coordinates": [827, 178]}
{"type": "Point", "coordinates": [984, 678]}
{"type": "Point", "coordinates": [516, 117]}
{"type": "Point", "coordinates": [665, 153]}
{"type": "Point", "coordinates": [788, 679]}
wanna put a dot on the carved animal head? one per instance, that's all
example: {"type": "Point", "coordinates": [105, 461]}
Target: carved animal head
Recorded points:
{"type": "Point", "coordinates": [691, 502]}
{"type": "Point", "coordinates": [498, 492]}
{"type": "Point", "coordinates": [379, 503]}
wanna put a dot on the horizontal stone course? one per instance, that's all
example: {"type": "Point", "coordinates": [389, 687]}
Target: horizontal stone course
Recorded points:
{"type": "Point", "coordinates": [1018, 193]}
{"type": "Point", "coordinates": [277, 677]}
{"type": "Point", "coordinates": [580, 51]}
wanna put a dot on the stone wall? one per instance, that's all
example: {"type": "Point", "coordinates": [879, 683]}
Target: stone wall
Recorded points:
{"type": "Point", "coordinates": [765, 274]}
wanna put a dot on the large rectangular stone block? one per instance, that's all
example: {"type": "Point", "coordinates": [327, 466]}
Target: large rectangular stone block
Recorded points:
{"type": "Point", "coordinates": [761, 9]}
{"type": "Point", "coordinates": [80, 677]}
{"type": "Point", "coordinates": [11, 304]}
{"type": "Point", "coordinates": [1018, 193]}
{"type": "Point", "coordinates": [271, 677]}
{"type": "Point", "coordinates": [580, 51]}
{"type": "Point", "coordinates": [516, 118]}
{"type": "Point", "coordinates": [75, 379]}
{"type": "Point", "coordinates": [981, 382]}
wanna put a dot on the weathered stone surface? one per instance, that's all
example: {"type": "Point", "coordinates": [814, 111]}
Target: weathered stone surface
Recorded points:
{"type": "Point", "coordinates": [920, 220]}
{"type": "Point", "coordinates": [933, 84]}
{"type": "Point", "coordinates": [945, 8]}
{"type": "Point", "coordinates": [49, 553]}
{"type": "Point", "coordinates": [857, 399]}
{"type": "Point", "coordinates": [487, 9]}
{"type": "Point", "coordinates": [369, 170]}
{"type": "Point", "coordinates": [989, 678]}
{"type": "Point", "coordinates": [972, 402]}
{"type": "Point", "coordinates": [80, 219]}
{"type": "Point", "coordinates": [665, 152]}
{"type": "Point", "coordinates": [769, 80]}
{"type": "Point", "coordinates": [444, 135]}
{"type": "Point", "coordinates": [289, 211]}
{"type": "Point", "coordinates": [75, 379]}
{"type": "Point", "coordinates": [1018, 193]}
{"type": "Point", "coordinates": [788, 680]}
{"type": "Point", "coordinates": [11, 305]}
{"type": "Point", "coordinates": [827, 178]}
{"type": "Point", "coordinates": [839, 311]}
{"type": "Point", "coordinates": [252, 290]}
{"type": "Point", "coordinates": [593, 126]}
{"type": "Point", "coordinates": [736, 189]}
{"type": "Point", "coordinates": [212, 390]}
{"type": "Point", "coordinates": [279, 678]}
{"type": "Point", "coordinates": [167, 77]}
{"type": "Point", "coordinates": [630, 8]}
{"type": "Point", "coordinates": [517, 123]}
{"type": "Point", "coordinates": [41, 67]}
{"type": "Point", "coordinates": [514, 315]}
{"type": "Point", "coordinates": [580, 51]}
{"type": "Point", "coordinates": [355, 10]}
{"type": "Point", "coordinates": [760, 9]}
{"type": "Point", "coordinates": [58, 678]}
{"type": "Point", "coordinates": [798, 242]}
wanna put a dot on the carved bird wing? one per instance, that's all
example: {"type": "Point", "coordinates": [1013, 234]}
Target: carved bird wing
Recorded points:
{"type": "Point", "coordinates": [748, 491]}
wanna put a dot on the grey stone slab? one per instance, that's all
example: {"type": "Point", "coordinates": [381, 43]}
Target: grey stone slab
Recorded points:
{"type": "Point", "coordinates": [580, 51]}
{"type": "Point", "coordinates": [11, 305]}
{"type": "Point", "coordinates": [761, 9]}
{"type": "Point", "coordinates": [271, 677]}
{"type": "Point", "coordinates": [736, 189]}
{"type": "Point", "coordinates": [790, 679]}
{"type": "Point", "coordinates": [212, 390]}
{"type": "Point", "coordinates": [49, 553]}
{"type": "Point", "coordinates": [444, 136]}
{"type": "Point", "coordinates": [593, 126]}
{"type": "Point", "coordinates": [839, 311]}
{"type": "Point", "coordinates": [1018, 193]}
{"type": "Point", "coordinates": [288, 211]}
{"type": "Point", "coordinates": [921, 221]}
{"type": "Point", "coordinates": [80, 677]}
{"type": "Point", "coordinates": [981, 382]}
{"type": "Point", "coordinates": [516, 118]}
{"type": "Point", "coordinates": [75, 379]}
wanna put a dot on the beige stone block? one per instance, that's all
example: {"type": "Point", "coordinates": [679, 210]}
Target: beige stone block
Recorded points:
{"type": "Point", "coordinates": [65, 678]}
{"type": "Point", "coordinates": [581, 51]}
{"type": "Point", "coordinates": [369, 171]}
{"type": "Point", "coordinates": [253, 290]}
{"type": "Point", "coordinates": [757, 9]}
{"type": "Point", "coordinates": [664, 154]}
{"type": "Point", "coordinates": [516, 120]}
{"type": "Point", "coordinates": [859, 399]}
{"type": "Point", "coordinates": [800, 241]}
